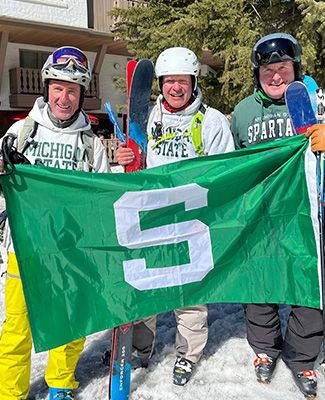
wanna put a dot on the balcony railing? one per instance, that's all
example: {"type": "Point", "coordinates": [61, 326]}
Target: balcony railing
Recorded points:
{"type": "Point", "coordinates": [26, 85]}
{"type": "Point", "coordinates": [111, 147]}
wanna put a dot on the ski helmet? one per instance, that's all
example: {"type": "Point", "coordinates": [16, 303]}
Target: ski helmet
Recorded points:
{"type": "Point", "coordinates": [177, 61]}
{"type": "Point", "coordinates": [67, 64]}
{"type": "Point", "coordinates": [274, 48]}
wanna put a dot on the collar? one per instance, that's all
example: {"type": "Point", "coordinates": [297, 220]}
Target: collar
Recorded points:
{"type": "Point", "coordinates": [267, 100]}
{"type": "Point", "coordinates": [175, 110]}
{"type": "Point", "coordinates": [60, 123]}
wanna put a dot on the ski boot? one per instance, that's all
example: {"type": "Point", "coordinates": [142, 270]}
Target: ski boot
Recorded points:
{"type": "Point", "coordinates": [61, 394]}
{"type": "Point", "coordinates": [264, 368]}
{"type": "Point", "coordinates": [307, 383]}
{"type": "Point", "coordinates": [183, 370]}
{"type": "Point", "coordinates": [136, 362]}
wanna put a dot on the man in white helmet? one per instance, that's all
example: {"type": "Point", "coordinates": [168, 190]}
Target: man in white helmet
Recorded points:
{"type": "Point", "coordinates": [180, 127]}
{"type": "Point", "coordinates": [57, 134]}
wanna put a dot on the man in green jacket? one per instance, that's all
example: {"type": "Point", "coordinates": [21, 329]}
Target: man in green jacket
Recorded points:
{"type": "Point", "coordinates": [260, 118]}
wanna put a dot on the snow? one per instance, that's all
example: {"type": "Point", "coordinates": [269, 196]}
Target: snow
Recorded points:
{"type": "Point", "coordinates": [225, 370]}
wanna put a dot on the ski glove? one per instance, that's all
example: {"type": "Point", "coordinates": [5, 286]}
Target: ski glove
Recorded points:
{"type": "Point", "coordinates": [317, 134]}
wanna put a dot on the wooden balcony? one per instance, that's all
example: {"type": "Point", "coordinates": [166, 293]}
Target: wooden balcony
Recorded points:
{"type": "Point", "coordinates": [26, 85]}
{"type": "Point", "coordinates": [111, 147]}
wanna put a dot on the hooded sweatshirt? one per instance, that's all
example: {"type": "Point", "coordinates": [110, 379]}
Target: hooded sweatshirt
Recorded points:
{"type": "Point", "coordinates": [61, 147]}
{"type": "Point", "coordinates": [58, 148]}
{"type": "Point", "coordinates": [176, 143]}
{"type": "Point", "coordinates": [257, 119]}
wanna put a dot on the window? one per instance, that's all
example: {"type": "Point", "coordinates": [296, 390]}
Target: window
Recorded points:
{"type": "Point", "coordinates": [32, 58]}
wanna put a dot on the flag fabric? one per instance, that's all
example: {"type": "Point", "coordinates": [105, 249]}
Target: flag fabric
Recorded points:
{"type": "Point", "coordinates": [98, 250]}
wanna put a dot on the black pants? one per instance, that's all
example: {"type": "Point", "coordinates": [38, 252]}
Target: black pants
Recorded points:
{"type": "Point", "coordinates": [302, 340]}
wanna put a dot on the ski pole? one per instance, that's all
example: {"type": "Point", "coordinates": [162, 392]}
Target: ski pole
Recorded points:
{"type": "Point", "coordinates": [320, 115]}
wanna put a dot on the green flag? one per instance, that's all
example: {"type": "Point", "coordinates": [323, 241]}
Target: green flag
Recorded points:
{"type": "Point", "coordinates": [98, 250]}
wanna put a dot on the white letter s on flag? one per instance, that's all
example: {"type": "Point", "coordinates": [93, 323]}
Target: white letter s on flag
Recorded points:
{"type": "Point", "coordinates": [195, 232]}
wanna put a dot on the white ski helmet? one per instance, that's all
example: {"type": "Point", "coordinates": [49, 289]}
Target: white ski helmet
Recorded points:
{"type": "Point", "coordinates": [177, 61]}
{"type": "Point", "coordinates": [67, 64]}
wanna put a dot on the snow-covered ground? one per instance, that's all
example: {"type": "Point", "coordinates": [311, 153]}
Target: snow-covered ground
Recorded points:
{"type": "Point", "coordinates": [225, 371]}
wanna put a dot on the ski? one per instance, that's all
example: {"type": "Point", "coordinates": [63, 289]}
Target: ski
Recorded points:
{"type": "Point", "coordinates": [120, 362]}
{"type": "Point", "coordinates": [320, 361]}
{"type": "Point", "coordinates": [138, 106]}
{"type": "Point", "coordinates": [301, 112]}
{"type": "Point", "coordinates": [139, 83]}
{"type": "Point", "coordinates": [299, 107]}
{"type": "Point", "coordinates": [121, 348]}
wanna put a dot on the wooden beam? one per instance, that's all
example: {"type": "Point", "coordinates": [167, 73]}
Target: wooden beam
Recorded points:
{"type": "Point", "coordinates": [4, 36]}
{"type": "Point", "coordinates": [27, 101]}
{"type": "Point", "coordinates": [90, 10]}
{"type": "Point", "coordinates": [99, 59]}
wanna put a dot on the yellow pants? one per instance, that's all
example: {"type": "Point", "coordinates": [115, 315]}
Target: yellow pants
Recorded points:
{"type": "Point", "coordinates": [16, 346]}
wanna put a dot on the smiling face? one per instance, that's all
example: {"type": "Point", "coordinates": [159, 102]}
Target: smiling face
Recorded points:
{"type": "Point", "coordinates": [64, 99]}
{"type": "Point", "coordinates": [274, 78]}
{"type": "Point", "coordinates": [177, 89]}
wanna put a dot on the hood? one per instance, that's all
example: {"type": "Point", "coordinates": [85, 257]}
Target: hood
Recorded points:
{"type": "Point", "coordinates": [39, 113]}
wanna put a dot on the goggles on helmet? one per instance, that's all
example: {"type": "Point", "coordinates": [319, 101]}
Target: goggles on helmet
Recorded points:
{"type": "Point", "coordinates": [65, 56]}
{"type": "Point", "coordinates": [275, 50]}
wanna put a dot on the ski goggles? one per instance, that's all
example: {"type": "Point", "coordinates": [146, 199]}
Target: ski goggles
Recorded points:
{"type": "Point", "coordinates": [275, 50]}
{"type": "Point", "coordinates": [64, 56]}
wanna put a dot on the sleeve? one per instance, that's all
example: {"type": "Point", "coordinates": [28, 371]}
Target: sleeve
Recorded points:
{"type": "Point", "coordinates": [216, 134]}
{"type": "Point", "coordinates": [235, 132]}
{"type": "Point", "coordinates": [101, 163]}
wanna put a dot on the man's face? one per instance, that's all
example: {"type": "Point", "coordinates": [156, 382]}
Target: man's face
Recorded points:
{"type": "Point", "coordinates": [177, 89]}
{"type": "Point", "coordinates": [64, 98]}
{"type": "Point", "coordinates": [275, 78]}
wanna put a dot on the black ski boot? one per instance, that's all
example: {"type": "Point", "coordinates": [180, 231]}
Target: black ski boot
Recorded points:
{"type": "Point", "coordinates": [307, 383]}
{"type": "Point", "coordinates": [183, 370]}
{"type": "Point", "coordinates": [264, 368]}
{"type": "Point", "coordinates": [136, 362]}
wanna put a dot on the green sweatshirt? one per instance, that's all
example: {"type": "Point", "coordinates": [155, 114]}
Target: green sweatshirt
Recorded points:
{"type": "Point", "coordinates": [257, 119]}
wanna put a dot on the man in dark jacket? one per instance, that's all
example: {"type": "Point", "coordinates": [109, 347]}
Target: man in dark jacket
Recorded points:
{"type": "Point", "coordinates": [260, 118]}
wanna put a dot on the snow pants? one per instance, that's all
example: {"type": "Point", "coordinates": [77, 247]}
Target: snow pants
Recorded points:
{"type": "Point", "coordinates": [191, 333]}
{"type": "Point", "coordinates": [302, 341]}
{"type": "Point", "coordinates": [16, 346]}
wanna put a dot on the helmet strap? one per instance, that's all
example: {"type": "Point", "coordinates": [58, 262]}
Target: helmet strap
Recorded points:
{"type": "Point", "coordinates": [82, 97]}
{"type": "Point", "coordinates": [46, 91]}
{"type": "Point", "coordinates": [194, 83]}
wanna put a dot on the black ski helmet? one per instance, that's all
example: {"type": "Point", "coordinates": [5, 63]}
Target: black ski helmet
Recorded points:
{"type": "Point", "coordinates": [274, 48]}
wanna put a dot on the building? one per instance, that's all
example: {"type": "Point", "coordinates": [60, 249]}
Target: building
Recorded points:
{"type": "Point", "coordinates": [32, 29]}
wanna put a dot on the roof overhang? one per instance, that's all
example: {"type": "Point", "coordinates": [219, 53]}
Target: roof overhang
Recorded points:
{"type": "Point", "coordinates": [87, 39]}
{"type": "Point", "coordinates": [53, 35]}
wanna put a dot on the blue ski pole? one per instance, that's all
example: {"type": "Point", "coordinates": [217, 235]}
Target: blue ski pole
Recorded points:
{"type": "Point", "coordinates": [117, 130]}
